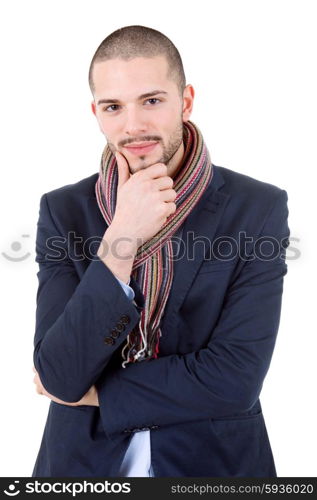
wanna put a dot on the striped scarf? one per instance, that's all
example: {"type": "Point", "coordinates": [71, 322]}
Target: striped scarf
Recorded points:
{"type": "Point", "coordinates": [153, 263]}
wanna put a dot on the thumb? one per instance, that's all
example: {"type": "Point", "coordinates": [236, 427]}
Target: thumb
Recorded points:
{"type": "Point", "coordinates": [123, 169]}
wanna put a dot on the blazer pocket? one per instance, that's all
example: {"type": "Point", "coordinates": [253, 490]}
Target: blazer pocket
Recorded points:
{"type": "Point", "coordinates": [236, 424]}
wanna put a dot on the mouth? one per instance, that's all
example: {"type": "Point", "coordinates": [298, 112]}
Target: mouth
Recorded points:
{"type": "Point", "coordinates": [141, 148]}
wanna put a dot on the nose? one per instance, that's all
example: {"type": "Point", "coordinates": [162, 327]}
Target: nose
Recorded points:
{"type": "Point", "coordinates": [135, 122]}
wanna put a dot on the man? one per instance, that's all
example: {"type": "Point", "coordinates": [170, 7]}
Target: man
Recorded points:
{"type": "Point", "coordinates": [153, 346]}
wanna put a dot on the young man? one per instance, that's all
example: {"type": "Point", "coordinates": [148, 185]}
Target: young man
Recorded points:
{"type": "Point", "coordinates": [160, 285]}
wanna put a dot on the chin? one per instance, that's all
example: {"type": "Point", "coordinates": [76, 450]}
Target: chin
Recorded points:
{"type": "Point", "coordinates": [143, 161]}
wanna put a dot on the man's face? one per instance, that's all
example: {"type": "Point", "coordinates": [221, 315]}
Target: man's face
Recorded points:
{"type": "Point", "coordinates": [136, 104]}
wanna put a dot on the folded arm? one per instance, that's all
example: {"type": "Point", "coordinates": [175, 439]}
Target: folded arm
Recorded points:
{"type": "Point", "coordinates": [226, 376]}
{"type": "Point", "coordinates": [75, 318]}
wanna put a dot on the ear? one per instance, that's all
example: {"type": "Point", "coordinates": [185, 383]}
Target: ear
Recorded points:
{"type": "Point", "coordinates": [94, 110]}
{"type": "Point", "coordinates": [188, 101]}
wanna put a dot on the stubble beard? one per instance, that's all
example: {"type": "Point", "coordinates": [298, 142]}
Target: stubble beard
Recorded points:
{"type": "Point", "coordinates": [168, 154]}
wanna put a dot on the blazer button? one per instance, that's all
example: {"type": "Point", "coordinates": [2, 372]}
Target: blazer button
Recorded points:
{"type": "Point", "coordinates": [120, 327]}
{"type": "Point", "coordinates": [125, 319]}
{"type": "Point", "coordinates": [109, 340]}
{"type": "Point", "coordinates": [115, 333]}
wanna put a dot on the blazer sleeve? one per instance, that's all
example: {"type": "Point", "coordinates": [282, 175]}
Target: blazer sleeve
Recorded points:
{"type": "Point", "coordinates": [226, 376]}
{"type": "Point", "coordinates": [79, 323]}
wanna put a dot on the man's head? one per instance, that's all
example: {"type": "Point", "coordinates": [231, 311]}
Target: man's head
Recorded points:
{"type": "Point", "coordinates": [140, 96]}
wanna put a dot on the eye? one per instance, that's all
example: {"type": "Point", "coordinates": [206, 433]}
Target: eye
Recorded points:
{"type": "Point", "coordinates": [111, 106]}
{"type": "Point", "coordinates": [153, 99]}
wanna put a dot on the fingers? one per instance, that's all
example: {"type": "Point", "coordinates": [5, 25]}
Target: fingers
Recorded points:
{"type": "Point", "coordinates": [155, 171]}
{"type": "Point", "coordinates": [123, 169]}
{"type": "Point", "coordinates": [168, 195]}
{"type": "Point", "coordinates": [38, 385]}
{"type": "Point", "coordinates": [171, 208]}
{"type": "Point", "coordinates": [162, 183]}
{"type": "Point", "coordinates": [37, 381]}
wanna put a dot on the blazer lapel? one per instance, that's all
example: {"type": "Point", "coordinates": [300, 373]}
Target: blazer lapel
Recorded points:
{"type": "Point", "coordinates": [200, 225]}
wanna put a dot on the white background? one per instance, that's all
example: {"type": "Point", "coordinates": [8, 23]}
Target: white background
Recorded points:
{"type": "Point", "coordinates": [253, 66]}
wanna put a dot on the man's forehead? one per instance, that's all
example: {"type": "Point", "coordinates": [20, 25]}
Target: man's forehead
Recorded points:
{"type": "Point", "coordinates": [134, 77]}
{"type": "Point", "coordinates": [144, 67]}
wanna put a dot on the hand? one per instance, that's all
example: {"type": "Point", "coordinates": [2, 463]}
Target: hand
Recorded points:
{"type": "Point", "coordinates": [144, 201]}
{"type": "Point", "coordinates": [90, 398]}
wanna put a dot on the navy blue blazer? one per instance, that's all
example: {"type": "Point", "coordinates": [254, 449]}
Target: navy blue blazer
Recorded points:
{"type": "Point", "coordinates": [200, 397]}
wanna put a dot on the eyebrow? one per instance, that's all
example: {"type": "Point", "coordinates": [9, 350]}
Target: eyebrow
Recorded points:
{"type": "Point", "coordinates": [142, 96]}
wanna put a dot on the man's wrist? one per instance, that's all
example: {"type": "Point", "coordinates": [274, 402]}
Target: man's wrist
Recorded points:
{"type": "Point", "coordinates": [118, 254]}
{"type": "Point", "coordinates": [120, 245]}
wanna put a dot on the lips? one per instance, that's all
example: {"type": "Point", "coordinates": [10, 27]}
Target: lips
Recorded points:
{"type": "Point", "coordinates": [141, 148]}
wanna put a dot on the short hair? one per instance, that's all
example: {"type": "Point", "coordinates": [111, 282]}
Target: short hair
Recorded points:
{"type": "Point", "coordinates": [140, 41]}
